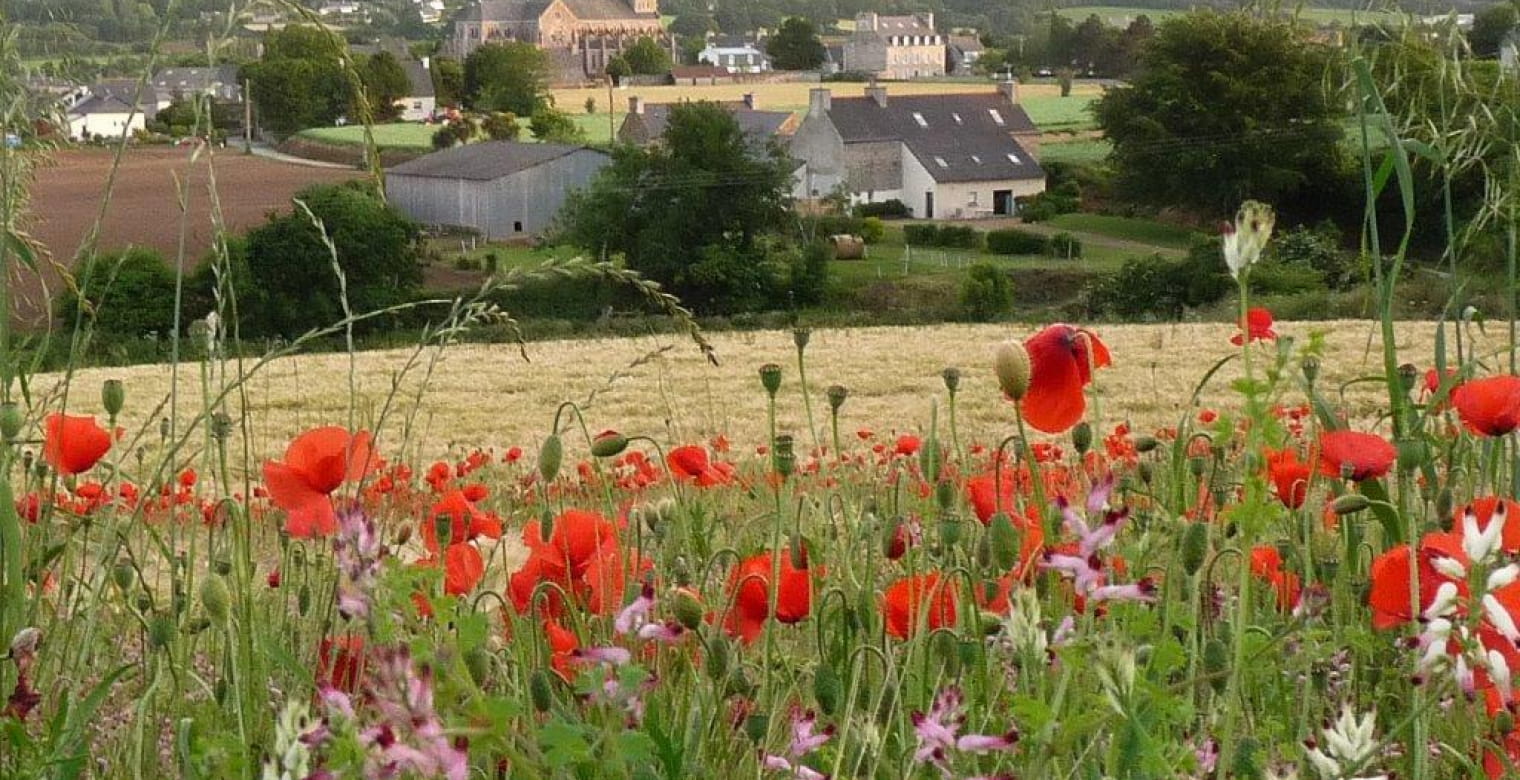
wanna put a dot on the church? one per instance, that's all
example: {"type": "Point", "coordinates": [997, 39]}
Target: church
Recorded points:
{"type": "Point", "coordinates": [580, 36]}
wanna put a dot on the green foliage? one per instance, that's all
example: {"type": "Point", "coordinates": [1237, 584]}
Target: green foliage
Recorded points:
{"type": "Point", "coordinates": [646, 57]}
{"type": "Point", "coordinates": [500, 126]}
{"type": "Point", "coordinates": [796, 46]}
{"type": "Point", "coordinates": [508, 76]}
{"type": "Point", "coordinates": [554, 126]}
{"type": "Point", "coordinates": [1157, 287]}
{"type": "Point", "coordinates": [1012, 241]}
{"type": "Point", "coordinates": [300, 82]}
{"type": "Point", "coordinates": [290, 269]}
{"type": "Point", "coordinates": [872, 230]}
{"type": "Point", "coordinates": [618, 68]}
{"type": "Point", "coordinates": [1225, 107]}
{"type": "Point", "coordinates": [948, 236]}
{"type": "Point", "coordinates": [987, 293]}
{"type": "Point", "coordinates": [888, 209]}
{"type": "Point", "coordinates": [641, 207]}
{"type": "Point", "coordinates": [1317, 249]}
{"type": "Point", "coordinates": [1063, 198]}
{"type": "Point", "coordinates": [129, 293]}
{"type": "Point", "coordinates": [1065, 245]}
{"type": "Point", "coordinates": [448, 81]}
{"type": "Point", "coordinates": [1489, 27]}
{"type": "Point", "coordinates": [808, 274]}
{"type": "Point", "coordinates": [385, 83]}
{"type": "Point", "coordinates": [693, 25]}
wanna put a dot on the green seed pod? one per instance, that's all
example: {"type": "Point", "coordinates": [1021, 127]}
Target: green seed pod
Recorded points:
{"type": "Point", "coordinates": [826, 688]}
{"type": "Point", "coordinates": [836, 395]}
{"type": "Point", "coordinates": [550, 456]}
{"type": "Point", "coordinates": [1444, 505]}
{"type": "Point", "coordinates": [221, 426]}
{"type": "Point", "coordinates": [546, 523]}
{"type": "Point", "coordinates": [1409, 374]}
{"type": "Point", "coordinates": [221, 566]}
{"type": "Point", "coordinates": [930, 459]}
{"type": "Point", "coordinates": [950, 531]}
{"type": "Point", "coordinates": [1197, 466]}
{"type": "Point", "coordinates": [1413, 453]}
{"type": "Point", "coordinates": [1350, 504]}
{"type": "Point", "coordinates": [1147, 472]}
{"type": "Point", "coordinates": [1310, 368]}
{"type": "Point", "coordinates": [1005, 541]}
{"type": "Point", "coordinates": [609, 444]}
{"type": "Point", "coordinates": [717, 659]}
{"type": "Point", "coordinates": [952, 377]}
{"type": "Point", "coordinates": [220, 690]}
{"type": "Point", "coordinates": [770, 378]}
{"type": "Point", "coordinates": [478, 662]}
{"type": "Point", "coordinates": [539, 691]}
{"type": "Point", "coordinates": [197, 625]}
{"type": "Point", "coordinates": [144, 602]}
{"type": "Point", "coordinates": [688, 609]}
{"type": "Point", "coordinates": [756, 726]}
{"type": "Point", "coordinates": [1216, 663]}
{"type": "Point", "coordinates": [123, 575]}
{"type": "Point", "coordinates": [1082, 437]}
{"type": "Point", "coordinates": [800, 337]}
{"type": "Point", "coordinates": [216, 599]}
{"type": "Point", "coordinates": [1144, 444]}
{"type": "Point", "coordinates": [738, 683]}
{"type": "Point", "coordinates": [1195, 547]}
{"type": "Point", "coordinates": [160, 630]}
{"type": "Point", "coordinates": [10, 420]}
{"type": "Point", "coordinates": [944, 495]}
{"type": "Point", "coordinates": [303, 599]}
{"type": "Point", "coordinates": [947, 648]}
{"type": "Point", "coordinates": [113, 395]}
{"type": "Point", "coordinates": [970, 653]}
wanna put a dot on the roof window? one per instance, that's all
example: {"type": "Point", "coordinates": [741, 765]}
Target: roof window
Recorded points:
{"type": "Point", "coordinates": [940, 161]}
{"type": "Point", "coordinates": [1013, 158]}
{"type": "Point", "coordinates": [996, 115]}
{"type": "Point", "coordinates": [919, 118]}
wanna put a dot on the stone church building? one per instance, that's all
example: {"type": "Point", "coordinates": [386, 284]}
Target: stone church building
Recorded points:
{"type": "Point", "coordinates": [581, 36]}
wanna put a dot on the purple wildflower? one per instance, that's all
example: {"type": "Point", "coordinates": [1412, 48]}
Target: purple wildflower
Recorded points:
{"type": "Point", "coordinates": [637, 611]}
{"type": "Point", "coordinates": [359, 551]}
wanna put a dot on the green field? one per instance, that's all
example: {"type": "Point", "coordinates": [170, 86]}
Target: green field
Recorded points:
{"type": "Point", "coordinates": [1142, 231]}
{"type": "Point", "coordinates": [1082, 151]}
{"type": "Point", "coordinates": [1122, 15]}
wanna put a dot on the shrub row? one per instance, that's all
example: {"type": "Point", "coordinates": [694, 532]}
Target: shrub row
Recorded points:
{"type": "Point", "coordinates": [948, 236]}
{"type": "Point", "coordinates": [890, 209]}
{"type": "Point", "coordinates": [872, 229]}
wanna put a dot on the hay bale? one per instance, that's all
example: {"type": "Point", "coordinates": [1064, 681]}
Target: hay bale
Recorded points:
{"type": "Point", "coordinates": [848, 247]}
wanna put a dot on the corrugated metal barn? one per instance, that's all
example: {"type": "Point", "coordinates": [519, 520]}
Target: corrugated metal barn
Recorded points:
{"type": "Point", "coordinates": [503, 189]}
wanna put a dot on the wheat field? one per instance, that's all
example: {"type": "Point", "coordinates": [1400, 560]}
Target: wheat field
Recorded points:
{"type": "Point", "coordinates": [488, 396]}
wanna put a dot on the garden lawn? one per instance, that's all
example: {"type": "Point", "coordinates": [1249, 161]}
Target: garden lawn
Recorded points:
{"type": "Point", "coordinates": [1142, 231]}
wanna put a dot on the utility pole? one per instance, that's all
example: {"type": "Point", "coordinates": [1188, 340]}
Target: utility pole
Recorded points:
{"type": "Point", "coordinates": [611, 114]}
{"type": "Point", "coordinates": [248, 116]}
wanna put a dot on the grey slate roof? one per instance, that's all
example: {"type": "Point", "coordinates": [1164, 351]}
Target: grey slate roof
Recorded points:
{"type": "Point", "coordinates": [605, 9]}
{"type": "Point", "coordinates": [530, 10]}
{"type": "Point", "coordinates": [104, 104]}
{"type": "Point", "coordinates": [420, 77]}
{"type": "Point", "coordinates": [483, 161]}
{"type": "Point", "coordinates": [194, 79]}
{"type": "Point", "coordinates": [755, 124]}
{"type": "Point", "coordinates": [961, 130]}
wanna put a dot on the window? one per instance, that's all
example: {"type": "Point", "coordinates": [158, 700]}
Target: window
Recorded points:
{"type": "Point", "coordinates": [996, 115]}
{"type": "Point", "coordinates": [919, 118]}
{"type": "Point", "coordinates": [417, 105]}
{"type": "Point", "coordinates": [940, 161]}
{"type": "Point", "coordinates": [516, 227]}
{"type": "Point", "coordinates": [1013, 158]}
{"type": "Point", "coordinates": [957, 118]}
{"type": "Point", "coordinates": [976, 159]}
{"type": "Point", "coordinates": [973, 198]}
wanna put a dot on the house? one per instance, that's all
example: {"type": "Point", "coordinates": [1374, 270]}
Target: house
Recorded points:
{"type": "Point", "coordinates": [954, 156]}
{"type": "Point", "coordinates": [645, 123]}
{"type": "Point", "coordinates": [502, 189]}
{"type": "Point", "coordinates": [895, 47]}
{"type": "Point", "coordinates": [735, 56]}
{"type": "Point", "coordinates": [833, 59]}
{"type": "Point", "coordinates": [221, 83]}
{"type": "Point", "coordinates": [962, 52]}
{"type": "Point", "coordinates": [421, 101]}
{"type": "Point", "coordinates": [580, 36]}
{"type": "Point", "coordinates": [112, 109]}
{"type": "Point", "coordinates": [696, 75]}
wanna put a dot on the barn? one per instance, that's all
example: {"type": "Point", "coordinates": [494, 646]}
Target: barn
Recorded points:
{"type": "Point", "coordinates": [502, 189]}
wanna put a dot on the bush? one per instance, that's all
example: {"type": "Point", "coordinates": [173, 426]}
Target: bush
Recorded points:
{"type": "Point", "coordinates": [949, 236]}
{"type": "Point", "coordinates": [921, 235]}
{"type": "Point", "coordinates": [1065, 245]}
{"type": "Point", "coordinates": [987, 293]}
{"type": "Point", "coordinates": [808, 275]}
{"type": "Point", "coordinates": [1063, 198]}
{"type": "Point", "coordinates": [835, 225]}
{"type": "Point", "coordinates": [889, 209]}
{"type": "Point", "coordinates": [872, 230]}
{"type": "Point", "coordinates": [1156, 287]}
{"type": "Point", "coordinates": [1318, 249]}
{"type": "Point", "coordinates": [1012, 241]}
{"type": "Point", "coordinates": [1277, 278]}
{"type": "Point", "coordinates": [130, 293]}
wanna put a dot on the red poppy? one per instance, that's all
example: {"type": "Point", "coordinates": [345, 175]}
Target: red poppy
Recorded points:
{"type": "Point", "coordinates": [581, 556]}
{"type": "Point", "coordinates": [690, 463]}
{"type": "Point", "coordinates": [985, 499]}
{"type": "Point", "coordinates": [1358, 455]}
{"type": "Point", "coordinates": [749, 595]}
{"type": "Point", "coordinates": [72, 445]}
{"type": "Point", "coordinates": [1289, 475]}
{"type": "Point", "coordinates": [340, 662]}
{"type": "Point", "coordinates": [1434, 378]}
{"type": "Point", "coordinates": [562, 646]}
{"type": "Point", "coordinates": [907, 444]}
{"type": "Point", "coordinates": [465, 521]}
{"type": "Point", "coordinates": [1489, 406]}
{"type": "Point", "coordinates": [1389, 595]}
{"type": "Point", "coordinates": [575, 538]}
{"type": "Point", "coordinates": [1483, 511]}
{"type": "Point", "coordinates": [929, 597]}
{"type": "Point", "coordinates": [1266, 563]}
{"type": "Point", "coordinates": [316, 463]}
{"type": "Point", "coordinates": [1061, 360]}
{"type": "Point", "coordinates": [1258, 326]}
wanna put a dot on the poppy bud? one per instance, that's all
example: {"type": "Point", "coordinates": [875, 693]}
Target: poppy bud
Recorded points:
{"type": "Point", "coordinates": [160, 630]}
{"type": "Point", "coordinates": [948, 649]}
{"type": "Point", "coordinates": [1350, 504]}
{"type": "Point", "coordinates": [478, 663]}
{"type": "Point", "coordinates": [113, 395]}
{"type": "Point", "coordinates": [1147, 472]}
{"type": "Point", "coordinates": [1444, 504]}
{"type": "Point", "coordinates": [826, 688]}
{"type": "Point", "coordinates": [123, 575]}
{"type": "Point", "coordinates": [1409, 373]}
{"type": "Point", "coordinates": [197, 625]}
{"type": "Point", "coordinates": [738, 683]}
{"type": "Point", "coordinates": [688, 608]}
{"type": "Point", "coordinates": [215, 598]}
{"type": "Point", "coordinates": [800, 337]}
{"type": "Point", "coordinates": [952, 377]}
{"type": "Point", "coordinates": [756, 726]}
{"type": "Point", "coordinates": [144, 602]}
{"type": "Point", "coordinates": [717, 659]}
{"type": "Point", "coordinates": [895, 542]}
{"type": "Point", "coordinates": [950, 531]}
{"type": "Point", "coordinates": [1144, 444]}
{"type": "Point", "coordinates": [221, 566]}
{"type": "Point", "coordinates": [1412, 454]}
{"type": "Point", "coordinates": [1005, 541]}
{"type": "Point", "coordinates": [443, 530]}
{"type": "Point", "coordinates": [303, 600]}
{"type": "Point", "coordinates": [221, 426]}
{"type": "Point", "coordinates": [539, 691]}
{"type": "Point", "coordinates": [1081, 437]}
{"type": "Point", "coordinates": [1216, 663]}
{"type": "Point", "coordinates": [609, 444]}
{"type": "Point", "coordinates": [836, 395]}
{"type": "Point", "coordinates": [930, 460]}
{"type": "Point", "coordinates": [797, 549]}
{"type": "Point", "coordinates": [1504, 722]}
{"type": "Point", "coordinates": [163, 428]}
{"type": "Point", "coordinates": [403, 535]}
{"type": "Point", "coordinates": [944, 494]}
{"type": "Point", "coordinates": [10, 420]}
{"type": "Point", "coordinates": [550, 456]}
{"type": "Point", "coordinates": [770, 378]}
{"type": "Point", "coordinates": [1310, 367]}
{"type": "Point", "coordinates": [1197, 466]}
{"type": "Point", "coordinates": [1195, 547]}
{"type": "Point", "coordinates": [1010, 362]}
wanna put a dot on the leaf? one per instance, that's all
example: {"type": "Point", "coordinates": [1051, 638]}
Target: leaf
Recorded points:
{"type": "Point", "coordinates": [68, 748]}
{"type": "Point", "coordinates": [22, 248]}
{"type": "Point", "coordinates": [564, 744]}
{"type": "Point", "coordinates": [1393, 530]}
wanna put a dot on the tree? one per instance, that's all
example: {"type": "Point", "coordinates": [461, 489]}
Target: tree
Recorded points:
{"type": "Point", "coordinates": [590, 105]}
{"type": "Point", "coordinates": [619, 69]}
{"type": "Point", "coordinates": [292, 287]}
{"type": "Point", "coordinates": [1225, 107]}
{"type": "Point", "coordinates": [385, 83]}
{"type": "Point", "coordinates": [448, 81]}
{"type": "Point", "coordinates": [796, 46]}
{"type": "Point", "coordinates": [500, 126]}
{"type": "Point", "coordinates": [300, 82]}
{"type": "Point", "coordinates": [555, 127]}
{"type": "Point", "coordinates": [1489, 28]}
{"type": "Point", "coordinates": [128, 293]}
{"type": "Point", "coordinates": [641, 207]}
{"type": "Point", "coordinates": [693, 25]}
{"type": "Point", "coordinates": [647, 57]}
{"type": "Point", "coordinates": [509, 76]}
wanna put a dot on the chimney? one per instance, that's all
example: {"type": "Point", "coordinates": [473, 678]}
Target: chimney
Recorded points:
{"type": "Point", "coordinates": [1009, 89]}
{"type": "Point", "coordinates": [819, 101]}
{"type": "Point", "coordinates": [866, 22]}
{"type": "Point", "coordinates": [877, 93]}
{"type": "Point", "coordinates": [928, 19]}
{"type": "Point", "coordinates": [751, 102]}
{"type": "Point", "coordinates": [635, 104]}
{"type": "Point", "coordinates": [427, 63]}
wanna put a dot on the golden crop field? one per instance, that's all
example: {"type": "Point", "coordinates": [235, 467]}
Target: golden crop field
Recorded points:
{"type": "Point", "coordinates": [792, 95]}
{"type": "Point", "coordinates": [487, 396]}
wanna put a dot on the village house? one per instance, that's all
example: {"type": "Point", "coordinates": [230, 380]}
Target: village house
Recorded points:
{"type": "Point", "coordinates": [580, 36]}
{"type": "Point", "coordinates": [501, 189]}
{"type": "Point", "coordinates": [112, 109]}
{"type": "Point", "coordinates": [735, 55]}
{"type": "Point", "coordinates": [220, 83]}
{"type": "Point", "coordinates": [962, 52]}
{"type": "Point", "coordinates": [421, 101]}
{"type": "Point", "coordinates": [645, 123]}
{"type": "Point", "coordinates": [959, 156]}
{"type": "Point", "coordinates": [895, 47]}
